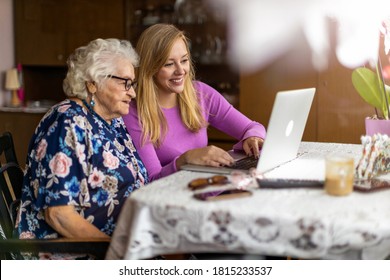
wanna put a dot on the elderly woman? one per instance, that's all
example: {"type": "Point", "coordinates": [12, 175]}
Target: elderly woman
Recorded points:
{"type": "Point", "coordinates": [81, 162]}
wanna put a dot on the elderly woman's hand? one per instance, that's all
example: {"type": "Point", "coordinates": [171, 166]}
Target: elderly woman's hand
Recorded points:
{"type": "Point", "coordinates": [67, 222]}
{"type": "Point", "coordinates": [252, 146]}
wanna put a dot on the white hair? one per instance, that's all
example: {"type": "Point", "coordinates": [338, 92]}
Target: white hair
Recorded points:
{"type": "Point", "coordinates": [94, 62]}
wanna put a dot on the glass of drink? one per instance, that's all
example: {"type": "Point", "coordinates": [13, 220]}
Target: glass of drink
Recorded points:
{"type": "Point", "coordinates": [339, 174]}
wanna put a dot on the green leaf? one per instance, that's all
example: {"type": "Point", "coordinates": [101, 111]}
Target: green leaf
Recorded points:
{"type": "Point", "coordinates": [367, 84]}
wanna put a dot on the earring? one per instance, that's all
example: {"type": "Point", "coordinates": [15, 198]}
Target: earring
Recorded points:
{"type": "Point", "coordinates": [92, 102]}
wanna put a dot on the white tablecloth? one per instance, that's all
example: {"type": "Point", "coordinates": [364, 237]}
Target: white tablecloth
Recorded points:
{"type": "Point", "coordinates": [164, 218]}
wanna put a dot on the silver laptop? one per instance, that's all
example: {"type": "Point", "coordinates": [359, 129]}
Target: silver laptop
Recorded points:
{"type": "Point", "coordinates": [284, 133]}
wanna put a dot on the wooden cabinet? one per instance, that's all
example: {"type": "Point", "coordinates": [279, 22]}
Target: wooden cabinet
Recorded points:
{"type": "Point", "coordinates": [22, 126]}
{"type": "Point", "coordinates": [258, 90]}
{"type": "Point", "coordinates": [47, 31]}
{"type": "Point", "coordinates": [39, 30]}
{"type": "Point", "coordinates": [337, 113]}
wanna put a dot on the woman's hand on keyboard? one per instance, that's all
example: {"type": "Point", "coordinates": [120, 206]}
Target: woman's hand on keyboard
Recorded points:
{"type": "Point", "coordinates": [252, 145]}
{"type": "Point", "coordinates": [210, 155]}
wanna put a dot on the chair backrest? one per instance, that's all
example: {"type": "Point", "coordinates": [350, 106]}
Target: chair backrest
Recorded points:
{"type": "Point", "coordinates": [11, 182]}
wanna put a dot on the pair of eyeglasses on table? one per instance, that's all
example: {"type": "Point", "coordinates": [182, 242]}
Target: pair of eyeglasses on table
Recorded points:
{"type": "Point", "coordinates": [201, 183]}
{"type": "Point", "coordinates": [218, 194]}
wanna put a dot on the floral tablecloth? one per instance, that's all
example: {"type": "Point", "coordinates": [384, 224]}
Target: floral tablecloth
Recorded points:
{"type": "Point", "coordinates": [164, 218]}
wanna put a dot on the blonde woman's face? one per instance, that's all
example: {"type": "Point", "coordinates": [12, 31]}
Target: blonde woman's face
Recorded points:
{"type": "Point", "coordinates": [170, 78]}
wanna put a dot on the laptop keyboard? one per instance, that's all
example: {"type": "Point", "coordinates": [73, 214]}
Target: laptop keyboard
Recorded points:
{"type": "Point", "coordinates": [299, 169]}
{"type": "Point", "coordinates": [245, 163]}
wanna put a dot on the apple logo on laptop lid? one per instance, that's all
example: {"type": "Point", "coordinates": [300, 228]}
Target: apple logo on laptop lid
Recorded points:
{"type": "Point", "coordinates": [289, 128]}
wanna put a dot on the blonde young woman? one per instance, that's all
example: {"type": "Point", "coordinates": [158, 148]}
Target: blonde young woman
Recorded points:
{"type": "Point", "coordinates": [168, 122]}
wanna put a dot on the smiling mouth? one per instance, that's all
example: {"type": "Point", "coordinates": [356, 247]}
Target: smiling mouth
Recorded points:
{"type": "Point", "coordinates": [177, 81]}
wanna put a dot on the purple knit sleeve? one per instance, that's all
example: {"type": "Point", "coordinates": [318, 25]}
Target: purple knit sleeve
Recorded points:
{"type": "Point", "coordinates": [223, 116]}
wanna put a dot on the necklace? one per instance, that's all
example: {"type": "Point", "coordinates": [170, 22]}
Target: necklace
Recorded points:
{"type": "Point", "coordinates": [96, 115]}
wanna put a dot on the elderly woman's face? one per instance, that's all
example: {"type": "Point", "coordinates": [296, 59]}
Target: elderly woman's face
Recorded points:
{"type": "Point", "coordinates": [112, 99]}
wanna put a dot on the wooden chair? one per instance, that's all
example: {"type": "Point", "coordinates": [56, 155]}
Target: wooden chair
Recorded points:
{"type": "Point", "coordinates": [11, 182]}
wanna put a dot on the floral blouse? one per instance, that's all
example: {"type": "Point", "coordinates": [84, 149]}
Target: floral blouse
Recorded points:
{"type": "Point", "coordinates": [76, 158]}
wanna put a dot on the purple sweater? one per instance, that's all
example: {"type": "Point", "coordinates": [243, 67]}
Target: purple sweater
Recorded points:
{"type": "Point", "coordinates": [219, 113]}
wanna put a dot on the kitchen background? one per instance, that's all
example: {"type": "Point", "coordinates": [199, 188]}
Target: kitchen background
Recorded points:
{"type": "Point", "coordinates": [40, 34]}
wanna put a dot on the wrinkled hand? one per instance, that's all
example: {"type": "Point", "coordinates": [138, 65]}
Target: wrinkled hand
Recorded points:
{"type": "Point", "coordinates": [252, 146]}
{"type": "Point", "coordinates": [210, 155]}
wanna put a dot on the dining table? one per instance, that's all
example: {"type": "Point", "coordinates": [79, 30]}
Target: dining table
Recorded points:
{"type": "Point", "coordinates": [165, 218]}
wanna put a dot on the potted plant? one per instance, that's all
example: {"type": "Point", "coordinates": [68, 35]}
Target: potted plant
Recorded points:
{"type": "Point", "coordinates": [372, 88]}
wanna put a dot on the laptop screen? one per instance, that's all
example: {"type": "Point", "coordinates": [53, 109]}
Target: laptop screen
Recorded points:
{"type": "Point", "coordinates": [285, 128]}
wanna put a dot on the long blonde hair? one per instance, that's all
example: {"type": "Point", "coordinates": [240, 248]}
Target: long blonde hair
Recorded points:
{"type": "Point", "coordinates": [154, 47]}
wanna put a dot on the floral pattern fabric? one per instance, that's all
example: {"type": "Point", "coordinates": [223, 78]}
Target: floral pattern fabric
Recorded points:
{"type": "Point", "coordinates": [76, 158]}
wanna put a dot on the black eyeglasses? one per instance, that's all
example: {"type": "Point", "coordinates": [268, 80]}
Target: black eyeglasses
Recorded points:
{"type": "Point", "coordinates": [128, 85]}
